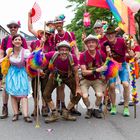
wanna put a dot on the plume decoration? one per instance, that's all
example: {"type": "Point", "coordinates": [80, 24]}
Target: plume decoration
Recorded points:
{"type": "Point", "coordinates": [31, 72]}
{"type": "Point", "coordinates": [60, 17]}
{"type": "Point", "coordinates": [133, 81]}
{"type": "Point", "coordinates": [72, 43]}
{"type": "Point", "coordinates": [37, 59]}
{"type": "Point", "coordinates": [113, 68]}
{"type": "Point", "coordinates": [51, 65]}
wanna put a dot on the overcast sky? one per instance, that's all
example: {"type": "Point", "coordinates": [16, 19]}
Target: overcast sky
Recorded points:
{"type": "Point", "coordinates": [18, 10]}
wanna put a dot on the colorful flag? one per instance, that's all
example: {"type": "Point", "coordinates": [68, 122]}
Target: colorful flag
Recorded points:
{"type": "Point", "coordinates": [97, 3]}
{"type": "Point", "coordinates": [122, 13]}
{"type": "Point", "coordinates": [128, 22]}
{"type": "Point", "coordinates": [36, 12]}
{"type": "Point", "coordinates": [114, 10]}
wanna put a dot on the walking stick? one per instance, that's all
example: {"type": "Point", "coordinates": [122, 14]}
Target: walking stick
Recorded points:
{"type": "Point", "coordinates": [38, 85]}
{"type": "Point", "coordinates": [38, 89]}
{"type": "Point", "coordinates": [105, 111]}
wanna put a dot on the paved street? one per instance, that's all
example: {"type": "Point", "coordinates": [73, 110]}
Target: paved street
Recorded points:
{"type": "Point", "coordinates": [111, 128]}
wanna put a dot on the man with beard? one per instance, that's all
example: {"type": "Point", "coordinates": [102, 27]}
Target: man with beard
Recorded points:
{"type": "Point", "coordinates": [69, 37]}
{"type": "Point", "coordinates": [63, 68]}
{"type": "Point", "coordinates": [7, 43]}
{"type": "Point", "coordinates": [117, 49]}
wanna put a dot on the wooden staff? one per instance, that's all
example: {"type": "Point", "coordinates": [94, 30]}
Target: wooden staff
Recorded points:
{"type": "Point", "coordinates": [106, 97]}
{"type": "Point", "coordinates": [38, 85]}
{"type": "Point", "coordinates": [38, 89]}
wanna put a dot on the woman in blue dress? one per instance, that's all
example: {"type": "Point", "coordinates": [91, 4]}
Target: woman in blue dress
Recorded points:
{"type": "Point", "coordinates": [17, 83]}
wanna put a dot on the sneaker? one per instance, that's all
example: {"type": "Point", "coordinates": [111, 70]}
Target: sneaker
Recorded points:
{"type": "Point", "coordinates": [75, 112]}
{"type": "Point", "coordinates": [67, 116]}
{"type": "Point", "coordinates": [53, 117]}
{"type": "Point", "coordinates": [126, 112]}
{"type": "Point", "coordinates": [97, 114]}
{"type": "Point", "coordinates": [113, 110]}
{"type": "Point", "coordinates": [121, 103]}
{"type": "Point", "coordinates": [88, 114]}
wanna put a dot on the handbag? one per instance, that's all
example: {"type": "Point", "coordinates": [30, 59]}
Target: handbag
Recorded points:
{"type": "Point", "coordinates": [5, 64]}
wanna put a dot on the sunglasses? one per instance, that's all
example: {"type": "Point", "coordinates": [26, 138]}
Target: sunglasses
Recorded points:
{"type": "Point", "coordinates": [13, 27]}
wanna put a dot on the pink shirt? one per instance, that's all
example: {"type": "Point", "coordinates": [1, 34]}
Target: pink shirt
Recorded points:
{"type": "Point", "coordinates": [9, 43]}
{"type": "Point", "coordinates": [60, 64]}
{"type": "Point", "coordinates": [136, 49]}
{"type": "Point", "coordinates": [69, 37]}
{"type": "Point", "coordinates": [47, 47]}
{"type": "Point", "coordinates": [49, 44]}
{"type": "Point", "coordinates": [91, 63]}
{"type": "Point", "coordinates": [102, 40]}
{"type": "Point", "coordinates": [118, 50]}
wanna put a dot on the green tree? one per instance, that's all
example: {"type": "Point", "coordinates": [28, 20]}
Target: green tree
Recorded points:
{"type": "Point", "coordinates": [96, 13]}
{"type": "Point", "coordinates": [77, 22]}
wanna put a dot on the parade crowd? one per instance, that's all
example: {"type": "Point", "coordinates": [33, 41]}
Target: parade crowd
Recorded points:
{"type": "Point", "coordinates": [66, 65]}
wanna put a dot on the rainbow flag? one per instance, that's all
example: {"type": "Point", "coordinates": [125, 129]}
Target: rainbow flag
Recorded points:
{"type": "Point", "coordinates": [114, 10]}
{"type": "Point", "coordinates": [128, 22]}
{"type": "Point", "coordinates": [122, 13]}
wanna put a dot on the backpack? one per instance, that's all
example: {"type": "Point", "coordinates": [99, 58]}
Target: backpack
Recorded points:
{"type": "Point", "coordinates": [101, 59]}
{"type": "Point", "coordinates": [70, 36]}
{"type": "Point", "coordinates": [51, 63]}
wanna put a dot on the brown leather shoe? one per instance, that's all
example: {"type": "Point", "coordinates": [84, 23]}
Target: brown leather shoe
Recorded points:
{"type": "Point", "coordinates": [67, 116]}
{"type": "Point", "coordinates": [4, 112]}
{"type": "Point", "coordinates": [53, 117]}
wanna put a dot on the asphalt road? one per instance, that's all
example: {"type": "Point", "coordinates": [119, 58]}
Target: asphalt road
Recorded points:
{"type": "Point", "coordinates": [111, 128]}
